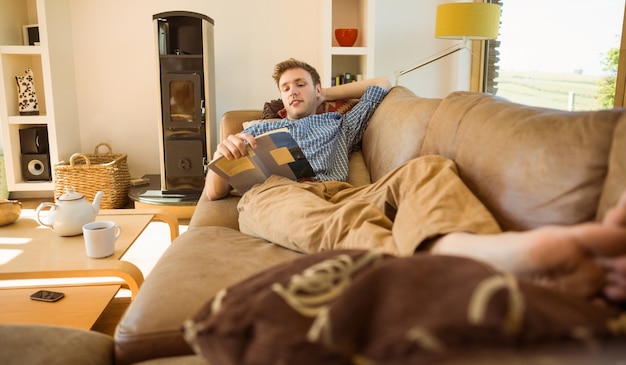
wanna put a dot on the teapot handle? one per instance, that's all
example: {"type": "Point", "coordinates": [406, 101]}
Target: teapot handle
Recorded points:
{"type": "Point", "coordinates": [42, 207]}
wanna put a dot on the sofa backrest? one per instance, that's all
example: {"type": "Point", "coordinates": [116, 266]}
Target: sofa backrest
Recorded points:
{"type": "Point", "coordinates": [396, 130]}
{"type": "Point", "coordinates": [530, 166]}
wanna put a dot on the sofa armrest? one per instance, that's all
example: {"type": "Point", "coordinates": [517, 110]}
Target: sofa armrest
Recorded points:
{"type": "Point", "coordinates": [232, 121]}
{"type": "Point", "coordinates": [221, 213]}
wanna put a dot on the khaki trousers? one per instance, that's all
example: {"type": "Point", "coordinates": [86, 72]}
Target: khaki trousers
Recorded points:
{"type": "Point", "coordinates": [422, 199]}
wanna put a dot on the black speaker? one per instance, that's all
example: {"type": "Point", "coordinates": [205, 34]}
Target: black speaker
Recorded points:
{"type": "Point", "coordinates": [34, 140]}
{"type": "Point", "coordinates": [36, 166]}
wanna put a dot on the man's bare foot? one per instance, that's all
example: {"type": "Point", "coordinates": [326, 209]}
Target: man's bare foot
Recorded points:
{"type": "Point", "coordinates": [588, 260]}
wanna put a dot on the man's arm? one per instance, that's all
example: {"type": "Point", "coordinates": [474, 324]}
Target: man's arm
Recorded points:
{"type": "Point", "coordinates": [233, 147]}
{"type": "Point", "coordinates": [353, 90]}
{"type": "Point", "coordinates": [215, 187]}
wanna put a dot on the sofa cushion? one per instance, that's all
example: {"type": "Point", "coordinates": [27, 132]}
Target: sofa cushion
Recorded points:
{"type": "Point", "coordinates": [358, 173]}
{"type": "Point", "coordinates": [273, 109]}
{"type": "Point", "coordinates": [198, 264]}
{"type": "Point", "coordinates": [530, 166]}
{"type": "Point", "coordinates": [616, 178]}
{"type": "Point", "coordinates": [276, 109]}
{"type": "Point", "coordinates": [252, 122]}
{"type": "Point", "coordinates": [396, 130]}
{"type": "Point", "coordinates": [51, 345]}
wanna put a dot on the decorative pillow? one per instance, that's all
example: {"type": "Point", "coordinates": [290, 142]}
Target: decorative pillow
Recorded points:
{"type": "Point", "coordinates": [339, 106]}
{"type": "Point", "coordinates": [276, 109]}
{"type": "Point", "coordinates": [257, 121]}
{"type": "Point", "coordinates": [352, 306]}
{"type": "Point", "coordinates": [273, 109]}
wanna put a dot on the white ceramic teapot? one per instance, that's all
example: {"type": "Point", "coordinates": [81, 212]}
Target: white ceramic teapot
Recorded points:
{"type": "Point", "coordinates": [71, 211]}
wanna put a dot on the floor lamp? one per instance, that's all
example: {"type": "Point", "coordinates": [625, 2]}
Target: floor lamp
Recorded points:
{"type": "Point", "coordinates": [464, 21]}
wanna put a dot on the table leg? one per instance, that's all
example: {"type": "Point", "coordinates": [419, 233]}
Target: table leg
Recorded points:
{"type": "Point", "coordinates": [124, 270]}
{"type": "Point", "coordinates": [170, 219]}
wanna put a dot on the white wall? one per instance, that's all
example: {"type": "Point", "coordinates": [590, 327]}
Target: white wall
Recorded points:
{"type": "Point", "coordinates": [116, 66]}
{"type": "Point", "coordinates": [405, 36]}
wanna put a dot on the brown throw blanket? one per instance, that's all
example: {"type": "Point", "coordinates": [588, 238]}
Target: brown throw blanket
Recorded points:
{"type": "Point", "coordinates": [363, 307]}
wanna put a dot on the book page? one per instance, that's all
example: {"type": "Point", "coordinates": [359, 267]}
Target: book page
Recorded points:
{"type": "Point", "coordinates": [235, 167]}
{"type": "Point", "coordinates": [277, 153]}
{"type": "Point", "coordinates": [282, 156]}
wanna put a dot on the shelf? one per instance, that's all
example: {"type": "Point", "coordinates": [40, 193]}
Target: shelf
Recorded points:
{"type": "Point", "coordinates": [349, 51]}
{"type": "Point", "coordinates": [28, 119]}
{"type": "Point", "coordinates": [34, 186]}
{"type": "Point", "coordinates": [20, 50]}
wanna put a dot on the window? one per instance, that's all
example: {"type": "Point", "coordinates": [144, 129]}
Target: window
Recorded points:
{"type": "Point", "coordinates": [560, 54]}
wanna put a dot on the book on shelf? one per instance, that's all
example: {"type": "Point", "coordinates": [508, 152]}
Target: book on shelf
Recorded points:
{"type": "Point", "coordinates": [277, 153]}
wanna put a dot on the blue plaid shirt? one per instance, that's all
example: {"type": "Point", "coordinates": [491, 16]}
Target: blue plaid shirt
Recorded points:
{"type": "Point", "coordinates": [328, 139]}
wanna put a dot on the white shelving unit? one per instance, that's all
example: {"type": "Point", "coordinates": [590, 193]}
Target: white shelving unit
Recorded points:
{"type": "Point", "coordinates": [53, 70]}
{"type": "Point", "coordinates": [358, 59]}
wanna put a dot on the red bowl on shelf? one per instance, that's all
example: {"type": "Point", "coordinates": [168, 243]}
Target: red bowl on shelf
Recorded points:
{"type": "Point", "coordinates": [346, 36]}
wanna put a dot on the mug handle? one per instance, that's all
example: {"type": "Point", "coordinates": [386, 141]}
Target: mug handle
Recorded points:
{"type": "Point", "coordinates": [119, 231]}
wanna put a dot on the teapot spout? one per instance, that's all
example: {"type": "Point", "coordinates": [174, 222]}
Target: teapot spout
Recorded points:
{"type": "Point", "coordinates": [96, 201]}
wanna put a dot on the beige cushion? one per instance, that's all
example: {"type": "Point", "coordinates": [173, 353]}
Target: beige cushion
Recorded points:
{"type": "Point", "coordinates": [357, 170]}
{"type": "Point", "coordinates": [616, 178]}
{"type": "Point", "coordinates": [529, 166]}
{"type": "Point", "coordinates": [51, 345]}
{"type": "Point", "coordinates": [396, 131]}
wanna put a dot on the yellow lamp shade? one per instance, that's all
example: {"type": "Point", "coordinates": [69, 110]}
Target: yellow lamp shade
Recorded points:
{"type": "Point", "coordinates": [467, 20]}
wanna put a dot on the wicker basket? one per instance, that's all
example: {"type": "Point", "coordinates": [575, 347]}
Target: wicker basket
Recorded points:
{"type": "Point", "coordinates": [90, 173]}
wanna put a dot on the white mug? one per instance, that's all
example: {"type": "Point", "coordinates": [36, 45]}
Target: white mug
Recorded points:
{"type": "Point", "coordinates": [100, 237]}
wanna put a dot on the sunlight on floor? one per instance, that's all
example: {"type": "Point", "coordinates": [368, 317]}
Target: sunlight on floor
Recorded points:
{"type": "Point", "coordinates": [150, 245]}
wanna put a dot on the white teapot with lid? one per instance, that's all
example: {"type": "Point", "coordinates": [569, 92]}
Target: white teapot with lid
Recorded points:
{"type": "Point", "coordinates": [71, 211]}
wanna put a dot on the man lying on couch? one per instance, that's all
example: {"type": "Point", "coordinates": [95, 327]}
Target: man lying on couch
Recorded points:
{"type": "Point", "coordinates": [423, 205]}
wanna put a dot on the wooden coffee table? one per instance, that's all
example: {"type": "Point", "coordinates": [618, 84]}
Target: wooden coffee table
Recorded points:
{"type": "Point", "coordinates": [31, 251]}
{"type": "Point", "coordinates": [80, 308]}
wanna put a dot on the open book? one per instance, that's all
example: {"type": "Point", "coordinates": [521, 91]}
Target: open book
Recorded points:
{"type": "Point", "coordinates": [277, 153]}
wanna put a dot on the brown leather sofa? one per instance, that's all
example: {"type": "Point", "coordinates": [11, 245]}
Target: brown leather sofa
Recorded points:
{"type": "Point", "coordinates": [530, 167]}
